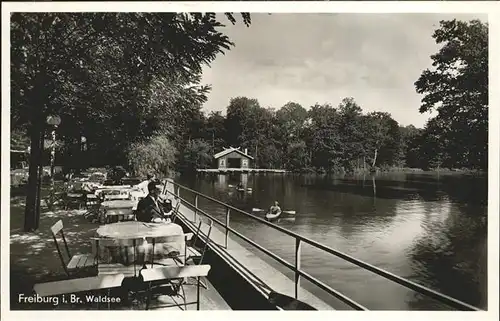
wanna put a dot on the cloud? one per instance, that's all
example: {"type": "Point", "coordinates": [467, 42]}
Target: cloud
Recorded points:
{"type": "Point", "coordinates": [309, 58]}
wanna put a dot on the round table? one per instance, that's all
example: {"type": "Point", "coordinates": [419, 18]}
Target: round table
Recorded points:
{"type": "Point", "coordinates": [136, 194]}
{"type": "Point", "coordinates": [134, 229]}
{"type": "Point", "coordinates": [119, 204]}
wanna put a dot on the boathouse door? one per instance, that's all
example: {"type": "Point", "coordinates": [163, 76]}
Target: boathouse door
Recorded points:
{"type": "Point", "coordinates": [234, 162]}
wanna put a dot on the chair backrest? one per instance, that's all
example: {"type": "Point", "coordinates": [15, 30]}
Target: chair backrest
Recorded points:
{"type": "Point", "coordinates": [56, 229]}
{"type": "Point", "coordinates": [207, 240]}
{"type": "Point", "coordinates": [175, 272]}
{"type": "Point", "coordinates": [79, 285]}
{"type": "Point", "coordinates": [119, 214]}
{"type": "Point", "coordinates": [175, 211]}
{"type": "Point", "coordinates": [197, 233]}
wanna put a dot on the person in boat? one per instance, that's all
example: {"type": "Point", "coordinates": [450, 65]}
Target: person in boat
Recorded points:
{"type": "Point", "coordinates": [275, 209]}
{"type": "Point", "coordinates": [239, 186]}
{"type": "Point", "coordinates": [149, 209]}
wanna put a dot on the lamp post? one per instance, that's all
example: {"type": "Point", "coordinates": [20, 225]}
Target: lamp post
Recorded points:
{"type": "Point", "coordinates": [83, 148]}
{"type": "Point", "coordinates": [53, 121]}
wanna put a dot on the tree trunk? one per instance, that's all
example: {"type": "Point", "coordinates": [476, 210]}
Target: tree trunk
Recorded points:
{"type": "Point", "coordinates": [375, 158]}
{"type": "Point", "coordinates": [31, 211]}
{"type": "Point", "coordinates": [256, 164]}
{"type": "Point", "coordinates": [374, 187]}
{"type": "Point", "coordinates": [39, 181]}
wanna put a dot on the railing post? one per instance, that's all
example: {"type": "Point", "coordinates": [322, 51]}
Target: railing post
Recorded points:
{"type": "Point", "coordinates": [164, 191]}
{"type": "Point", "coordinates": [298, 246]}
{"type": "Point", "coordinates": [196, 208]}
{"type": "Point", "coordinates": [178, 193]}
{"type": "Point", "coordinates": [228, 211]}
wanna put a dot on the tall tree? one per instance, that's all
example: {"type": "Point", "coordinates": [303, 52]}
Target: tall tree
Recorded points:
{"type": "Point", "coordinates": [324, 141]}
{"type": "Point", "coordinates": [196, 155]}
{"type": "Point", "coordinates": [457, 88]}
{"type": "Point", "coordinates": [351, 132]}
{"type": "Point", "coordinates": [238, 113]}
{"type": "Point", "coordinates": [382, 137]}
{"type": "Point", "coordinates": [98, 73]}
{"type": "Point", "coordinates": [215, 131]}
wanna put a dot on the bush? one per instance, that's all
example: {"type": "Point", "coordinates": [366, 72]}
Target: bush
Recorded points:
{"type": "Point", "coordinates": [196, 155]}
{"type": "Point", "coordinates": [116, 173]}
{"type": "Point", "coordinates": [156, 155]}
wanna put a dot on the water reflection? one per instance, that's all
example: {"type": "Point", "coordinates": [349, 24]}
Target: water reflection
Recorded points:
{"type": "Point", "coordinates": [451, 249]}
{"type": "Point", "coordinates": [429, 228]}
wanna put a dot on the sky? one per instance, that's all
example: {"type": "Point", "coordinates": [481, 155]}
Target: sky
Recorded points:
{"type": "Point", "coordinates": [322, 58]}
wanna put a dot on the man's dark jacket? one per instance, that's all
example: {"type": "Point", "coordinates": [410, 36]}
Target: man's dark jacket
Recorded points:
{"type": "Point", "coordinates": [147, 210]}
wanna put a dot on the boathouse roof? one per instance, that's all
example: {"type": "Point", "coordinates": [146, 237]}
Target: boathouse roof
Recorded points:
{"type": "Point", "coordinates": [230, 150]}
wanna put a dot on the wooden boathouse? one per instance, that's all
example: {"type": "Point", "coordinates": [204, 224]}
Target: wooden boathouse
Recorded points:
{"type": "Point", "coordinates": [234, 160]}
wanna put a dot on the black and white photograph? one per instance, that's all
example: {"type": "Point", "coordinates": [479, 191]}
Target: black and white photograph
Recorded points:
{"type": "Point", "coordinates": [185, 157]}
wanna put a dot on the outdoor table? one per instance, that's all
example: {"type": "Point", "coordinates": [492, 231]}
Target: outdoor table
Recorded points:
{"type": "Point", "coordinates": [117, 208]}
{"type": "Point", "coordinates": [107, 187]}
{"type": "Point", "coordinates": [134, 229]}
{"type": "Point", "coordinates": [116, 196]}
{"type": "Point", "coordinates": [113, 189]}
{"type": "Point", "coordinates": [136, 195]}
{"type": "Point", "coordinates": [119, 204]}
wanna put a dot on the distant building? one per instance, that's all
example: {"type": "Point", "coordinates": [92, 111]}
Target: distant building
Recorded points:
{"type": "Point", "coordinates": [233, 158]}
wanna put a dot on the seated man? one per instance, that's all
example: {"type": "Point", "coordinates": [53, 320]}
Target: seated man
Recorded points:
{"type": "Point", "coordinates": [149, 209]}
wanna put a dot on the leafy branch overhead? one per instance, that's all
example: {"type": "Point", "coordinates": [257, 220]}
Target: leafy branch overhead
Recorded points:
{"type": "Point", "coordinates": [115, 78]}
{"type": "Point", "coordinates": [95, 70]}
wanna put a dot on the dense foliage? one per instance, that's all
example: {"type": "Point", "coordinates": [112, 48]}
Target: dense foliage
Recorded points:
{"type": "Point", "coordinates": [107, 81]}
{"type": "Point", "coordinates": [137, 97]}
{"type": "Point", "coordinates": [156, 155]}
{"type": "Point", "coordinates": [343, 139]}
{"type": "Point", "coordinates": [323, 138]}
{"type": "Point", "coordinates": [457, 88]}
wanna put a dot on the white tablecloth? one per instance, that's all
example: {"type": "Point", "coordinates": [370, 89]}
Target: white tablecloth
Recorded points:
{"type": "Point", "coordinates": [119, 204]}
{"type": "Point", "coordinates": [134, 229]}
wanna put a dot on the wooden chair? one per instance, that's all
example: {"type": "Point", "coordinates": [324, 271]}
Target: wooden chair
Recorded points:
{"type": "Point", "coordinates": [130, 267]}
{"type": "Point", "coordinates": [174, 276]}
{"type": "Point", "coordinates": [175, 256]}
{"type": "Point", "coordinates": [118, 215]}
{"type": "Point", "coordinates": [72, 200]}
{"type": "Point", "coordinates": [91, 201]}
{"type": "Point", "coordinates": [175, 212]}
{"type": "Point", "coordinates": [89, 284]}
{"type": "Point", "coordinates": [93, 205]}
{"type": "Point", "coordinates": [195, 254]}
{"type": "Point", "coordinates": [74, 263]}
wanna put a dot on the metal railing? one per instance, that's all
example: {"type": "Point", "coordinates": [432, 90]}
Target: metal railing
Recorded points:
{"type": "Point", "coordinates": [299, 239]}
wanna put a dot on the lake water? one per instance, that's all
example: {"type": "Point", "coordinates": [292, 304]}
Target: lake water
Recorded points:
{"type": "Point", "coordinates": [425, 227]}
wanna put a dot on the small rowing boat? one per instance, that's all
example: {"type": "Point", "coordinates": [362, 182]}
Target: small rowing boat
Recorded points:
{"type": "Point", "coordinates": [270, 216]}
